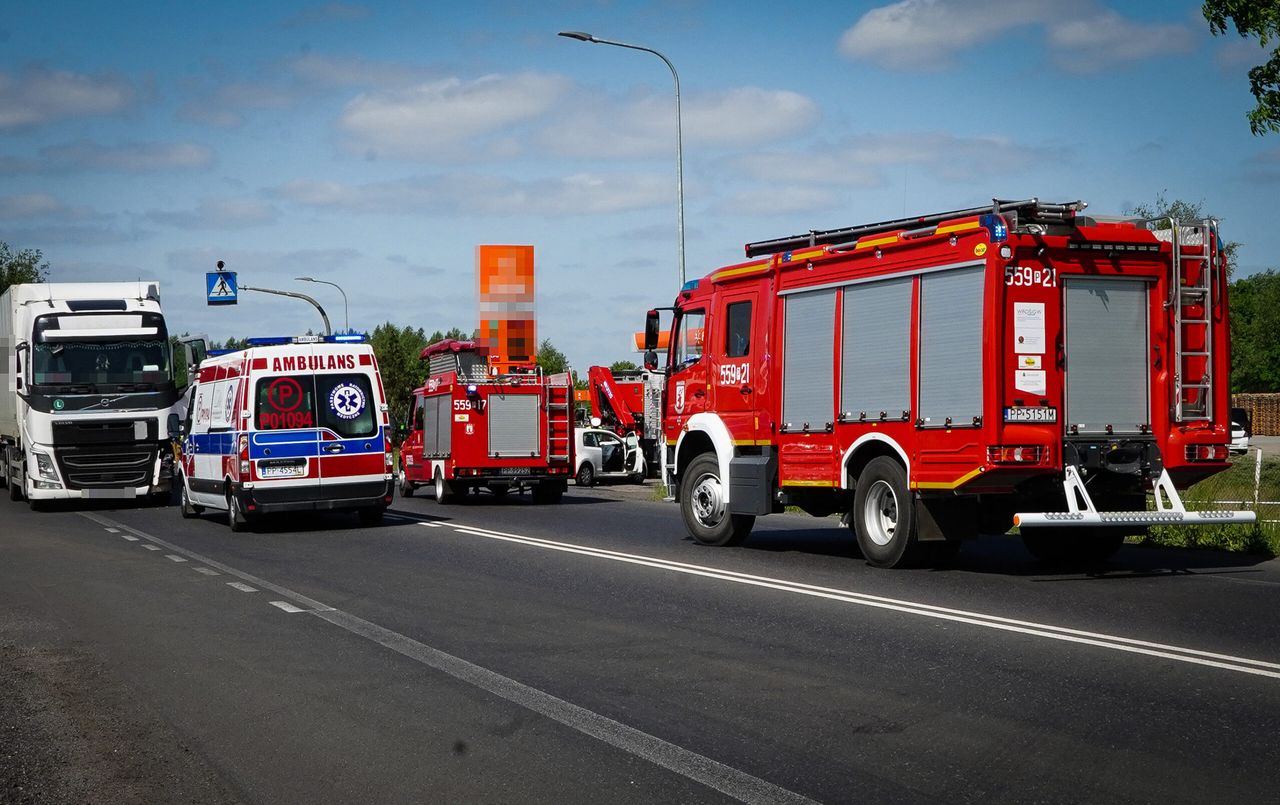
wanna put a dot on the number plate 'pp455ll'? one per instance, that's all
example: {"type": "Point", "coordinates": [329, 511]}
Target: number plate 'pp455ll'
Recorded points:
{"type": "Point", "coordinates": [1030, 414]}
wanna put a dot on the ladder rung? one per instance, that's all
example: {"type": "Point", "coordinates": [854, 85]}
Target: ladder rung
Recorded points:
{"type": "Point", "coordinates": [1195, 321]}
{"type": "Point", "coordinates": [1195, 354]}
{"type": "Point", "coordinates": [1194, 289]}
{"type": "Point", "coordinates": [1196, 386]}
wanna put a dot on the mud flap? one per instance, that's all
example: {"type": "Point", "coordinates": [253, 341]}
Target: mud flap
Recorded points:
{"type": "Point", "coordinates": [751, 484]}
{"type": "Point", "coordinates": [946, 518]}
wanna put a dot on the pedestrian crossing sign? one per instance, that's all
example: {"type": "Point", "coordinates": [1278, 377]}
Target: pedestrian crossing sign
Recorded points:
{"type": "Point", "coordinates": [220, 287]}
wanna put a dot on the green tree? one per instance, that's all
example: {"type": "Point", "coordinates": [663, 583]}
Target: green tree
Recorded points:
{"type": "Point", "coordinates": [1255, 333]}
{"type": "Point", "coordinates": [1180, 210]}
{"type": "Point", "coordinates": [17, 268]}
{"type": "Point", "coordinates": [397, 350]}
{"type": "Point", "coordinates": [623, 366]}
{"type": "Point", "coordinates": [1260, 18]}
{"type": "Point", "coordinates": [552, 360]}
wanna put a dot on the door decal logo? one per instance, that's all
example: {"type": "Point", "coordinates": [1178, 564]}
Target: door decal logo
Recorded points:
{"type": "Point", "coordinates": [347, 400]}
{"type": "Point", "coordinates": [680, 397]}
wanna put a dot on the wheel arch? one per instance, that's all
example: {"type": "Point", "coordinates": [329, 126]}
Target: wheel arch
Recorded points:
{"type": "Point", "coordinates": [705, 433]}
{"type": "Point", "coordinates": [866, 447]}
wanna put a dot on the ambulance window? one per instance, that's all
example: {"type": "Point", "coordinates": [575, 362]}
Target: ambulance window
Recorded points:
{"type": "Point", "coordinates": [346, 404]}
{"type": "Point", "coordinates": [285, 402]}
{"type": "Point", "coordinates": [737, 341]}
{"type": "Point", "coordinates": [689, 346]}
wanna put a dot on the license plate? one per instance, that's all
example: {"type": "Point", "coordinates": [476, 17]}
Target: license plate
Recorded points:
{"type": "Point", "coordinates": [514, 470]}
{"type": "Point", "coordinates": [1030, 414]}
{"type": "Point", "coordinates": [281, 470]}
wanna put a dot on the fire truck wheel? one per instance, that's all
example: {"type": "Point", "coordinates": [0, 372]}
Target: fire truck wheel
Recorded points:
{"type": "Point", "coordinates": [586, 474]}
{"type": "Point", "coordinates": [548, 492]}
{"type": "Point", "coordinates": [1072, 546]}
{"type": "Point", "coordinates": [883, 515]}
{"type": "Point", "coordinates": [704, 508]}
{"type": "Point", "coordinates": [447, 493]}
{"type": "Point", "coordinates": [406, 486]}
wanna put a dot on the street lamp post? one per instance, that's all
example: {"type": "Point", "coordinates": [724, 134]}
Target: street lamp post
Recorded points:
{"type": "Point", "coordinates": [324, 316]}
{"type": "Point", "coordinates": [585, 37]}
{"type": "Point", "coordinates": [346, 321]}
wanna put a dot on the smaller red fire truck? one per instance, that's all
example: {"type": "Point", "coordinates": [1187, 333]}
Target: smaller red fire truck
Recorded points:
{"type": "Point", "coordinates": [472, 428]}
{"type": "Point", "coordinates": [1020, 364]}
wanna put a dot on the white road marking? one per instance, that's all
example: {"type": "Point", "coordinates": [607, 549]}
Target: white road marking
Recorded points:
{"type": "Point", "coordinates": [242, 587]}
{"type": "Point", "coordinates": [429, 525]}
{"type": "Point", "coordinates": [286, 606]}
{"type": "Point", "coordinates": [1114, 642]}
{"type": "Point", "coordinates": [113, 530]}
{"type": "Point", "coordinates": [129, 537]}
{"type": "Point", "coordinates": [174, 557]}
{"type": "Point", "coordinates": [206, 571]}
{"type": "Point", "coordinates": [699, 768]}
{"type": "Point", "coordinates": [151, 547]}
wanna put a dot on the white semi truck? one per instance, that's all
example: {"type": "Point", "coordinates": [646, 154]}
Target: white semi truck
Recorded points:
{"type": "Point", "coordinates": [89, 406]}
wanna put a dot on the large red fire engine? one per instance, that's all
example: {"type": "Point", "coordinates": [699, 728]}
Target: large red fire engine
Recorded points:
{"type": "Point", "coordinates": [1019, 363]}
{"type": "Point", "coordinates": [471, 428]}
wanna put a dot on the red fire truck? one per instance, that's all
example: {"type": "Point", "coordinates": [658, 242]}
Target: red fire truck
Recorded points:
{"type": "Point", "coordinates": [470, 428]}
{"type": "Point", "coordinates": [629, 401]}
{"type": "Point", "coordinates": [1013, 364]}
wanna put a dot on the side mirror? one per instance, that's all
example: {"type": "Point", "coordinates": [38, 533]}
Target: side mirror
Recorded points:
{"type": "Point", "coordinates": [22, 347]}
{"type": "Point", "coordinates": [651, 360]}
{"type": "Point", "coordinates": [651, 324]}
{"type": "Point", "coordinates": [175, 426]}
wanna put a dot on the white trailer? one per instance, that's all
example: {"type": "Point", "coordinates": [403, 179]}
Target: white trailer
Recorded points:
{"type": "Point", "coordinates": [89, 407]}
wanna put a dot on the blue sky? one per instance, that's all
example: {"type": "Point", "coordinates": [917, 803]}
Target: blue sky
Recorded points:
{"type": "Point", "coordinates": [376, 144]}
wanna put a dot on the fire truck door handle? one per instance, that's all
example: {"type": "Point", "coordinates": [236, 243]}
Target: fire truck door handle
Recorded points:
{"type": "Point", "coordinates": [700, 393]}
{"type": "Point", "coordinates": [334, 448]}
{"type": "Point", "coordinates": [746, 389]}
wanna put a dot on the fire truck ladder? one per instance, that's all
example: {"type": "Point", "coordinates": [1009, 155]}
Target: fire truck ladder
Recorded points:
{"type": "Point", "coordinates": [1194, 267]}
{"type": "Point", "coordinates": [1027, 211]}
{"type": "Point", "coordinates": [559, 421]}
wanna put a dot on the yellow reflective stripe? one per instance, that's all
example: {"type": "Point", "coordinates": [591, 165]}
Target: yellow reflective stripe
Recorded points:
{"type": "Point", "coordinates": [806, 255]}
{"type": "Point", "coordinates": [752, 442]}
{"type": "Point", "coordinates": [946, 230]}
{"type": "Point", "coordinates": [867, 244]}
{"type": "Point", "coordinates": [733, 272]}
{"type": "Point", "coordinates": [947, 484]}
{"type": "Point", "coordinates": [808, 483]}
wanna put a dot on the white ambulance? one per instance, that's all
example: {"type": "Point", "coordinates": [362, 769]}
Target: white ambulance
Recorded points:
{"type": "Point", "coordinates": [286, 425]}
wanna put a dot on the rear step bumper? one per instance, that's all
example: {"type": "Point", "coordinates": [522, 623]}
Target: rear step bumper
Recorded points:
{"type": "Point", "coordinates": [1169, 509]}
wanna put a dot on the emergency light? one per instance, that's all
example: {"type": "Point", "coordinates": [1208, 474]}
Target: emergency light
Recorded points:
{"type": "Point", "coordinates": [274, 340]}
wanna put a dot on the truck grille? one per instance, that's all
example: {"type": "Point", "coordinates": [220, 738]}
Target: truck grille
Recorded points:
{"type": "Point", "coordinates": [106, 467]}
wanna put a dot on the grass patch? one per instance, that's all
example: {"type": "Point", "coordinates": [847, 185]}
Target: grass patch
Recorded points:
{"type": "Point", "coordinates": [1231, 489]}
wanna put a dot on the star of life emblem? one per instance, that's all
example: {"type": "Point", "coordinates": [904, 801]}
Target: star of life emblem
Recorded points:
{"type": "Point", "coordinates": [347, 400]}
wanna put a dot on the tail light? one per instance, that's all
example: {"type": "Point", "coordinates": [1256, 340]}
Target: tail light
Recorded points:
{"type": "Point", "coordinates": [244, 454]}
{"type": "Point", "coordinates": [386, 454]}
{"type": "Point", "coordinates": [1206, 452]}
{"type": "Point", "coordinates": [1013, 454]}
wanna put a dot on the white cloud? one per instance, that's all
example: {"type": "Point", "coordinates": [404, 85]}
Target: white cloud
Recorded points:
{"type": "Point", "coordinates": [336, 71]}
{"type": "Point", "coordinates": [29, 205]}
{"type": "Point", "coordinates": [778, 200]}
{"type": "Point", "coordinates": [601, 128]}
{"type": "Point", "coordinates": [276, 264]}
{"type": "Point", "coordinates": [471, 194]}
{"type": "Point", "coordinates": [219, 213]}
{"type": "Point", "coordinates": [861, 161]}
{"type": "Point", "coordinates": [225, 106]}
{"type": "Point", "coordinates": [927, 34]}
{"type": "Point", "coordinates": [38, 95]}
{"type": "Point", "coordinates": [124, 157]}
{"type": "Point", "coordinates": [435, 119]}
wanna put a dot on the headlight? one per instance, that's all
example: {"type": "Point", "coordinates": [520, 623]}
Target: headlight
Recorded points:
{"type": "Point", "coordinates": [44, 465]}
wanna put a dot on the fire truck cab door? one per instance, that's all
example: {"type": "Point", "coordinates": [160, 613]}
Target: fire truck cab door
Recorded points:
{"type": "Point", "coordinates": [734, 340]}
{"type": "Point", "coordinates": [689, 371]}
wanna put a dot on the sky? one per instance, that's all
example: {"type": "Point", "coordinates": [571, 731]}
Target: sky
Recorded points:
{"type": "Point", "coordinates": [376, 144]}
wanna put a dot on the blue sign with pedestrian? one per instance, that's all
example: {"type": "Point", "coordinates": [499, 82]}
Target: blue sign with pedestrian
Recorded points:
{"type": "Point", "coordinates": [220, 287]}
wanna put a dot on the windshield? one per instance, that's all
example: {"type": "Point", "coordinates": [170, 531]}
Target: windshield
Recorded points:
{"type": "Point", "coordinates": [96, 363]}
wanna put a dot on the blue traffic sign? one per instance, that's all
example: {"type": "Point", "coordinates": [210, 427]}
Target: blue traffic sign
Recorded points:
{"type": "Point", "coordinates": [220, 287]}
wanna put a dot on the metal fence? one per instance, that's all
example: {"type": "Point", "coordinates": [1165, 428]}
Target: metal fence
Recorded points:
{"type": "Point", "coordinates": [1252, 482]}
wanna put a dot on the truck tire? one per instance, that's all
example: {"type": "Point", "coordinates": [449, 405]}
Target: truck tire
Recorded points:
{"type": "Point", "coordinates": [15, 487]}
{"type": "Point", "coordinates": [704, 508]}
{"type": "Point", "coordinates": [446, 493]}
{"type": "Point", "coordinates": [547, 492]}
{"type": "Point", "coordinates": [406, 486]}
{"type": "Point", "coordinates": [884, 517]}
{"type": "Point", "coordinates": [586, 475]}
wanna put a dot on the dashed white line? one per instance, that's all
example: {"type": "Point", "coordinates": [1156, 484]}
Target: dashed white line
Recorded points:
{"type": "Point", "coordinates": [129, 537]}
{"type": "Point", "coordinates": [151, 547]}
{"type": "Point", "coordinates": [173, 557]}
{"type": "Point", "coordinates": [242, 587]}
{"type": "Point", "coordinates": [286, 606]}
{"type": "Point", "coordinates": [206, 571]}
{"type": "Point", "coordinates": [429, 525]}
{"type": "Point", "coordinates": [112, 530]}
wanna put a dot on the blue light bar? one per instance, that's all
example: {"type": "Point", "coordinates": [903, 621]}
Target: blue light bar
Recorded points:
{"type": "Point", "coordinates": [347, 338]}
{"type": "Point", "coordinates": [996, 227]}
{"type": "Point", "coordinates": [691, 285]}
{"type": "Point", "coordinates": [275, 340]}
{"type": "Point", "coordinates": [268, 341]}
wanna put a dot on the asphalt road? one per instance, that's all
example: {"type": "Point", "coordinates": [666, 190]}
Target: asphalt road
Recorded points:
{"type": "Point", "coordinates": [587, 652]}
